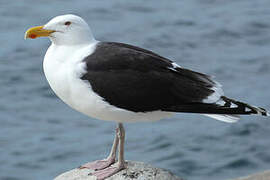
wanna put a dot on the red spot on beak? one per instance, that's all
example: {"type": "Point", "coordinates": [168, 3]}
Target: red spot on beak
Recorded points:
{"type": "Point", "coordinates": [33, 36]}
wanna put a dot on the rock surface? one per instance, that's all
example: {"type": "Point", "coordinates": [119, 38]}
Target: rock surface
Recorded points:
{"type": "Point", "coordinates": [134, 171]}
{"type": "Point", "coordinates": [258, 176]}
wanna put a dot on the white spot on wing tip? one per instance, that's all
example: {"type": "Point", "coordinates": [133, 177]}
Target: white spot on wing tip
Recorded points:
{"type": "Point", "coordinates": [215, 96]}
{"type": "Point", "coordinates": [267, 113]}
{"type": "Point", "coordinates": [174, 66]}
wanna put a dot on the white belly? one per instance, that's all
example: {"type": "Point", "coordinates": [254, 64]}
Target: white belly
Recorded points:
{"type": "Point", "coordinates": [63, 74]}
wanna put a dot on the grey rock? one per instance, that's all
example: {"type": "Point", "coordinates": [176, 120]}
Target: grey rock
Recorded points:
{"type": "Point", "coordinates": [265, 175]}
{"type": "Point", "coordinates": [134, 171]}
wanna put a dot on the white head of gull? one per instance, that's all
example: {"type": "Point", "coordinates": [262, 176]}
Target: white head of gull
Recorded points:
{"type": "Point", "coordinates": [69, 30]}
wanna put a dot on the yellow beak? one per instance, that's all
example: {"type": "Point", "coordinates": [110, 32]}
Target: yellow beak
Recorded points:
{"type": "Point", "coordinates": [36, 32]}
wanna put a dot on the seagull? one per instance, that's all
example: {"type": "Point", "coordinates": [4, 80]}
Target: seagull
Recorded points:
{"type": "Point", "coordinates": [123, 83]}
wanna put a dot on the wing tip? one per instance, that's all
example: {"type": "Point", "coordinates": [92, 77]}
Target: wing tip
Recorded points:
{"type": "Point", "coordinates": [261, 111]}
{"type": "Point", "coordinates": [267, 113]}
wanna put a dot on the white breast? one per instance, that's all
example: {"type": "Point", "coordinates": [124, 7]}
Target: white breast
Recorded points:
{"type": "Point", "coordinates": [63, 68]}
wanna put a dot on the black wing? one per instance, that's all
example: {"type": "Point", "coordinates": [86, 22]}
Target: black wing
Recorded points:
{"type": "Point", "coordinates": [139, 80]}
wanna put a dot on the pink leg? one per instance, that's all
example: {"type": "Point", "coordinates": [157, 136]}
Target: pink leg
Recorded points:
{"type": "Point", "coordinates": [109, 171]}
{"type": "Point", "coordinates": [102, 164]}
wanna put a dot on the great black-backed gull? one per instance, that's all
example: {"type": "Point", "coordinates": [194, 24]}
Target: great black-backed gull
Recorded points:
{"type": "Point", "coordinates": [124, 83]}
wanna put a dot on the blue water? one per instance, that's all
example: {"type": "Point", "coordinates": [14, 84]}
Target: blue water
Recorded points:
{"type": "Point", "coordinates": [41, 137]}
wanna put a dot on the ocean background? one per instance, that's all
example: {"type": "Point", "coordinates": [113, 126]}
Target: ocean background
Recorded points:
{"type": "Point", "coordinates": [41, 137]}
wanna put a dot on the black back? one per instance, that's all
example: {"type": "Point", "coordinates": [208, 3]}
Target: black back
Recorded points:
{"type": "Point", "coordinates": [139, 80]}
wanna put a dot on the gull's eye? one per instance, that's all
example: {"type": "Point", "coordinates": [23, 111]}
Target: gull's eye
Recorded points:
{"type": "Point", "coordinates": [67, 23]}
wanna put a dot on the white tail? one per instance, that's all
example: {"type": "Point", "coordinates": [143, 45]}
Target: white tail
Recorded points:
{"type": "Point", "coordinates": [224, 117]}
